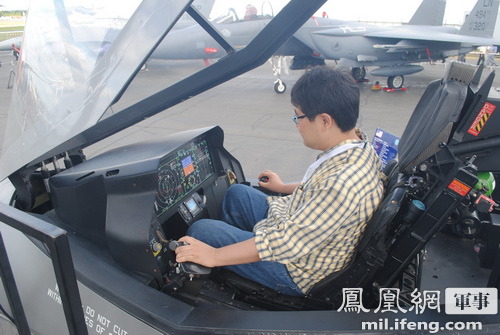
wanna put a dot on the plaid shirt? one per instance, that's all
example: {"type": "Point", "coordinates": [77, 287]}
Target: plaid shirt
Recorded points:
{"type": "Point", "coordinates": [315, 230]}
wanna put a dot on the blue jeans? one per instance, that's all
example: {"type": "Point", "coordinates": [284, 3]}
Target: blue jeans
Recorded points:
{"type": "Point", "coordinates": [242, 208]}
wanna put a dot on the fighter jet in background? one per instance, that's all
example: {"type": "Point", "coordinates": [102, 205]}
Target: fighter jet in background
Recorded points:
{"type": "Point", "coordinates": [394, 50]}
{"type": "Point", "coordinates": [7, 45]}
{"type": "Point", "coordinates": [204, 7]}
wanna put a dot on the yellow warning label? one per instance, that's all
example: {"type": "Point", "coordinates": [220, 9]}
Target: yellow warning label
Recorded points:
{"type": "Point", "coordinates": [481, 119]}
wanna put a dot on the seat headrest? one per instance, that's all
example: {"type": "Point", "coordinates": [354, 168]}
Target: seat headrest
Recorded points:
{"type": "Point", "coordinates": [434, 116]}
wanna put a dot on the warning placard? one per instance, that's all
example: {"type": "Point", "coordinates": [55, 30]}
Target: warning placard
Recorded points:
{"type": "Point", "coordinates": [481, 119]}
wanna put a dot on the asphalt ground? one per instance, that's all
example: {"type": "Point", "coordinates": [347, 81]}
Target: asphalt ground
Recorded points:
{"type": "Point", "coordinates": [257, 121]}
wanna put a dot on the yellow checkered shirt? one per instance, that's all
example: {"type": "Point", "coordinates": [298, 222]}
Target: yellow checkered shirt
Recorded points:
{"type": "Point", "coordinates": [315, 230]}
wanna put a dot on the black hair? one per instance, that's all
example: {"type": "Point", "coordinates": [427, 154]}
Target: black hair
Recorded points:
{"type": "Point", "coordinates": [325, 89]}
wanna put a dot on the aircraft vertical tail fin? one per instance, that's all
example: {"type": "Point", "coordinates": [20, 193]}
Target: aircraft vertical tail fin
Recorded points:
{"type": "Point", "coordinates": [204, 6]}
{"type": "Point", "coordinates": [429, 13]}
{"type": "Point", "coordinates": [481, 20]}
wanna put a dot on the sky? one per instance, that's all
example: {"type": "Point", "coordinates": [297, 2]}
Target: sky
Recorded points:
{"type": "Point", "coordinates": [393, 10]}
{"type": "Point", "coordinates": [396, 11]}
{"type": "Point", "coordinates": [355, 10]}
{"type": "Point", "coordinates": [14, 4]}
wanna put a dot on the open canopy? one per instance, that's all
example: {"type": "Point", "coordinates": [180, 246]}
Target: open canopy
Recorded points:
{"type": "Point", "coordinates": [78, 57]}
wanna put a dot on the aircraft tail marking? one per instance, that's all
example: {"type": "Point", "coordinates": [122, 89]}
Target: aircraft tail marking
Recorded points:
{"type": "Point", "coordinates": [482, 19]}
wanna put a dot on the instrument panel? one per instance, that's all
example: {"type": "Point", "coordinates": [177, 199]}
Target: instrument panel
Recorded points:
{"type": "Point", "coordinates": [181, 172]}
{"type": "Point", "coordinates": [135, 197]}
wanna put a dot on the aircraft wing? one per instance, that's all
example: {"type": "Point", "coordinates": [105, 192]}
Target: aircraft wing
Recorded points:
{"type": "Point", "coordinates": [427, 34]}
{"type": "Point", "coordinates": [407, 38]}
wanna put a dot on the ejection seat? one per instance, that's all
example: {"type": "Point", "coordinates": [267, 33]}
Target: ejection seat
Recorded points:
{"type": "Point", "coordinates": [423, 188]}
{"type": "Point", "coordinates": [417, 199]}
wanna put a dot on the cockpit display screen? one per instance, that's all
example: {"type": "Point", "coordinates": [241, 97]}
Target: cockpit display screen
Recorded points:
{"type": "Point", "coordinates": [181, 172]}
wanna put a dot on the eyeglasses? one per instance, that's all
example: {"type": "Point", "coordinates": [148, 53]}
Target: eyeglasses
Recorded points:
{"type": "Point", "coordinates": [296, 118]}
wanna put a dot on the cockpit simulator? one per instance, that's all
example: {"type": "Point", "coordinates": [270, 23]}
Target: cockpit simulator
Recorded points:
{"type": "Point", "coordinates": [87, 245]}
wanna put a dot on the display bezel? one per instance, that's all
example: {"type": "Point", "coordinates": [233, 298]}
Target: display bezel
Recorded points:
{"type": "Point", "coordinates": [165, 212]}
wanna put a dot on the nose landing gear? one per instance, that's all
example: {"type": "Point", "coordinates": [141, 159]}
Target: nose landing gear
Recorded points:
{"type": "Point", "coordinates": [279, 86]}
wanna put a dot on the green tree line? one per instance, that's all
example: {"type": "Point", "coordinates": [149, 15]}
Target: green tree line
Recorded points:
{"type": "Point", "coordinates": [19, 13]}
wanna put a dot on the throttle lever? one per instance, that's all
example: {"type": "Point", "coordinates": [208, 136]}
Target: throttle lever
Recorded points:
{"type": "Point", "coordinates": [190, 268]}
{"type": "Point", "coordinates": [173, 244]}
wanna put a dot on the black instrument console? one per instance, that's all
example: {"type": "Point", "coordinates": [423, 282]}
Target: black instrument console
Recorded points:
{"type": "Point", "coordinates": [136, 198]}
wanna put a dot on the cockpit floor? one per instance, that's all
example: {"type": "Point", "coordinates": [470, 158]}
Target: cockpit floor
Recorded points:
{"type": "Point", "coordinates": [451, 261]}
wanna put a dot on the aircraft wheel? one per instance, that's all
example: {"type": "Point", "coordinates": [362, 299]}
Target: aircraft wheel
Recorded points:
{"type": "Point", "coordinates": [358, 73]}
{"type": "Point", "coordinates": [279, 87]}
{"type": "Point", "coordinates": [395, 82]}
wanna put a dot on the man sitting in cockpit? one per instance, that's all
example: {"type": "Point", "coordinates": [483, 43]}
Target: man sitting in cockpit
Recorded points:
{"type": "Point", "coordinates": [290, 243]}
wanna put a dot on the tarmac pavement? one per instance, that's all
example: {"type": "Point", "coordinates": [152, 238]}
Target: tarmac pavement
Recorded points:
{"type": "Point", "coordinates": [257, 121]}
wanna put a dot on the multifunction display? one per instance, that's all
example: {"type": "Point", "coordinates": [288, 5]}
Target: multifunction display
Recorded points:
{"type": "Point", "coordinates": [181, 172]}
